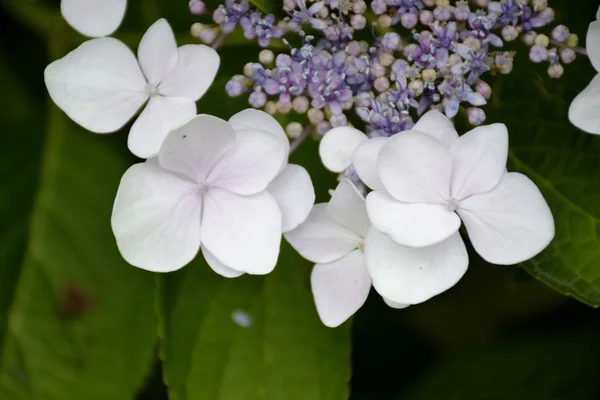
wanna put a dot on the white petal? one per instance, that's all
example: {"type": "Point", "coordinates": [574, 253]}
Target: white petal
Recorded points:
{"type": "Point", "coordinates": [411, 224]}
{"type": "Point", "coordinates": [156, 218]}
{"type": "Point", "coordinates": [217, 266]}
{"type": "Point", "coordinates": [592, 44]}
{"type": "Point", "coordinates": [347, 207]}
{"type": "Point", "coordinates": [161, 115]}
{"type": "Point", "coordinates": [157, 52]}
{"type": "Point", "coordinates": [392, 304]}
{"type": "Point", "coordinates": [364, 160]}
{"type": "Point", "coordinates": [94, 18]}
{"type": "Point", "coordinates": [340, 288]}
{"type": "Point", "coordinates": [194, 148]}
{"type": "Point", "coordinates": [584, 111]}
{"type": "Point", "coordinates": [99, 85]}
{"type": "Point", "coordinates": [252, 162]}
{"type": "Point", "coordinates": [293, 190]}
{"type": "Point", "coordinates": [478, 160]}
{"type": "Point", "coordinates": [409, 275]}
{"type": "Point", "coordinates": [251, 119]}
{"type": "Point", "coordinates": [510, 224]}
{"type": "Point", "coordinates": [337, 146]}
{"type": "Point", "coordinates": [438, 126]}
{"type": "Point", "coordinates": [242, 232]}
{"type": "Point", "coordinates": [415, 168]}
{"type": "Point", "coordinates": [193, 74]}
{"type": "Point", "coordinates": [320, 239]}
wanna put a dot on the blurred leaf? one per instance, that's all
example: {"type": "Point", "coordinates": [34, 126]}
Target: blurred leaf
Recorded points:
{"type": "Point", "coordinates": [264, 5]}
{"type": "Point", "coordinates": [563, 367]}
{"type": "Point", "coordinates": [286, 353]}
{"type": "Point", "coordinates": [565, 164]}
{"type": "Point", "coordinates": [82, 324]}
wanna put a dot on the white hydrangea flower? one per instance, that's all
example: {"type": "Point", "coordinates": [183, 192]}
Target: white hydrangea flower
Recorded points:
{"type": "Point", "coordinates": [222, 187]}
{"type": "Point", "coordinates": [101, 85]}
{"type": "Point", "coordinates": [421, 180]}
{"type": "Point", "coordinates": [94, 18]}
{"type": "Point", "coordinates": [584, 111]}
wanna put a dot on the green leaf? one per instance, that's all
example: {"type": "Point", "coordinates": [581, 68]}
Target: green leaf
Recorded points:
{"type": "Point", "coordinates": [82, 323]}
{"type": "Point", "coordinates": [285, 354]}
{"type": "Point", "coordinates": [264, 5]}
{"type": "Point", "coordinates": [565, 164]}
{"type": "Point", "coordinates": [527, 369]}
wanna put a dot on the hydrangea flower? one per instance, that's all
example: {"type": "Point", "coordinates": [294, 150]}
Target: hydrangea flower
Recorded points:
{"type": "Point", "coordinates": [94, 18]}
{"type": "Point", "coordinates": [101, 85]}
{"type": "Point", "coordinates": [222, 187]}
{"type": "Point", "coordinates": [424, 182]}
{"type": "Point", "coordinates": [584, 112]}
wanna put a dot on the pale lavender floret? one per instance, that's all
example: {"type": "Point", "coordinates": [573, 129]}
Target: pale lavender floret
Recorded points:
{"type": "Point", "coordinates": [197, 7]}
{"type": "Point", "coordinates": [481, 28]}
{"type": "Point", "coordinates": [507, 12]}
{"type": "Point", "coordinates": [475, 62]}
{"type": "Point", "coordinates": [442, 13]}
{"type": "Point", "coordinates": [567, 55]}
{"type": "Point", "coordinates": [229, 14]}
{"type": "Point", "coordinates": [234, 88]}
{"type": "Point", "coordinates": [461, 11]}
{"type": "Point", "coordinates": [328, 88]}
{"type": "Point", "coordinates": [409, 20]}
{"type": "Point", "coordinates": [455, 91]}
{"type": "Point", "coordinates": [383, 119]}
{"type": "Point", "coordinates": [476, 115]}
{"type": "Point", "coordinates": [560, 33]}
{"type": "Point", "coordinates": [378, 6]}
{"type": "Point", "coordinates": [538, 53]}
{"type": "Point", "coordinates": [264, 29]}
{"type": "Point", "coordinates": [304, 14]}
{"type": "Point", "coordinates": [426, 17]}
{"type": "Point", "coordinates": [257, 99]}
{"type": "Point", "coordinates": [391, 41]}
{"type": "Point", "coordinates": [406, 11]}
{"type": "Point", "coordinates": [530, 19]}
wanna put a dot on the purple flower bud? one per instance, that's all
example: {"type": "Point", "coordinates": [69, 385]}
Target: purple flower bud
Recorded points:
{"type": "Point", "coordinates": [483, 89]}
{"type": "Point", "coordinates": [378, 6]}
{"type": "Point", "coordinates": [538, 53]}
{"type": "Point", "coordinates": [323, 127]}
{"type": "Point", "coordinates": [442, 13]}
{"type": "Point", "coordinates": [234, 88]}
{"type": "Point", "coordinates": [567, 55]}
{"type": "Point", "coordinates": [257, 99]}
{"type": "Point", "coordinates": [358, 21]}
{"type": "Point", "coordinates": [560, 33]}
{"type": "Point", "coordinates": [409, 20]}
{"type": "Point", "coordinates": [377, 70]}
{"type": "Point", "coordinates": [359, 7]}
{"type": "Point", "coordinates": [197, 7]}
{"type": "Point", "coordinates": [283, 60]}
{"type": "Point", "coordinates": [476, 115]}
{"type": "Point", "coordinates": [461, 11]}
{"type": "Point", "coordinates": [381, 84]}
{"type": "Point", "coordinates": [392, 41]}
{"type": "Point", "coordinates": [338, 120]}
{"type": "Point", "coordinates": [426, 17]}
{"type": "Point", "coordinates": [219, 16]}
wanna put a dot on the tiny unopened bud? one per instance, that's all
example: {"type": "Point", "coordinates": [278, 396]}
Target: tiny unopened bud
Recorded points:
{"type": "Point", "coordinates": [289, 5]}
{"type": "Point", "coordinates": [483, 89]}
{"type": "Point", "coordinates": [454, 59]}
{"type": "Point", "coordinates": [196, 29]}
{"type": "Point", "coordinates": [266, 57]}
{"type": "Point", "coordinates": [391, 41]}
{"type": "Point", "coordinates": [257, 99]}
{"type": "Point", "coordinates": [300, 104]}
{"type": "Point", "coordinates": [529, 38]}
{"type": "Point", "coordinates": [338, 120]}
{"type": "Point", "coordinates": [249, 69]}
{"type": "Point", "coordinates": [322, 13]}
{"type": "Point", "coordinates": [358, 21]}
{"type": "Point", "coordinates": [197, 7]}
{"type": "Point", "coordinates": [315, 116]}
{"type": "Point", "coordinates": [364, 46]}
{"type": "Point", "coordinates": [323, 127]}
{"type": "Point", "coordinates": [538, 53]}
{"type": "Point", "coordinates": [378, 6]}
{"type": "Point", "coordinates": [381, 84]}
{"type": "Point", "coordinates": [542, 40]}
{"type": "Point", "coordinates": [377, 70]}
{"type": "Point", "coordinates": [208, 36]}
{"type": "Point", "coordinates": [442, 13]}
{"type": "Point", "coordinates": [429, 75]}
{"type": "Point", "coordinates": [384, 20]}
{"type": "Point", "coordinates": [353, 48]}
{"type": "Point", "coordinates": [363, 100]}
{"type": "Point", "coordinates": [461, 11]}
{"type": "Point", "coordinates": [509, 33]}
{"type": "Point", "coordinates": [572, 40]}
{"type": "Point", "coordinates": [429, 3]}
{"type": "Point", "coordinates": [476, 115]}
{"type": "Point", "coordinates": [560, 33]}
{"type": "Point", "coordinates": [473, 43]}
{"type": "Point", "coordinates": [294, 129]}
{"type": "Point", "coordinates": [359, 7]}
{"type": "Point", "coordinates": [271, 108]}
{"type": "Point", "coordinates": [386, 59]}
{"type": "Point", "coordinates": [539, 5]}
{"type": "Point", "coordinates": [567, 55]}
{"type": "Point", "coordinates": [284, 108]}
{"type": "Point", "coordinates": [555, 71]}
{"type": "Point", "coordinates": [234, 88]}
{"type": "Point", "coordinates": [409, 20]}
{"type": "Point", "coordinates": [416, 87]}
{"type": "Point", "coordinates": [426, 17]}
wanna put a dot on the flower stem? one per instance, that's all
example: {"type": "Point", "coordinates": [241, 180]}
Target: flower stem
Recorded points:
{"type": "Point", "coordinates": [219, 41]}
{"type": "Point", "coordinates": [579, 50]}
{"type": "Point", "coordinates": [303, 135]}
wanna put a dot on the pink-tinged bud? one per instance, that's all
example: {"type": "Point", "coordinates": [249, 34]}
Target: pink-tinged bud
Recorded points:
{"type": "Point", "coordinates": [476, 116]}
{"type": "Point", "coordinates": [483, 89]}
{"type": "Point", "coordinates": [555, 71]}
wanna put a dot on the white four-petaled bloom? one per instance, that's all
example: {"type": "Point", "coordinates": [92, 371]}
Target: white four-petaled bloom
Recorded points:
{"type": "Point", "coordinates": [222, 187]}
{"type": "Point", "coordinates": [94, 18]}
{"type": "Point", "coordinates": [101, 85]}
{"type": "Point", "coordinates": [424, 182]}
{"type": "Point", "coordinates": [584, 111]}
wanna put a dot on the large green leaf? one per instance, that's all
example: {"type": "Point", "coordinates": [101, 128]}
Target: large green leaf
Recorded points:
{"type": "Point", "coordinates": [285, 354]}
{"type": "Point", "coordinates": [82, 323]}
{"type": "Point", "coordinates": [565, 164]}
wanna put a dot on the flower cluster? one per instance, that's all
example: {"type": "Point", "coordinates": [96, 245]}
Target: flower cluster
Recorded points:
{"type": "Point", "coordinates": [424, 55]}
